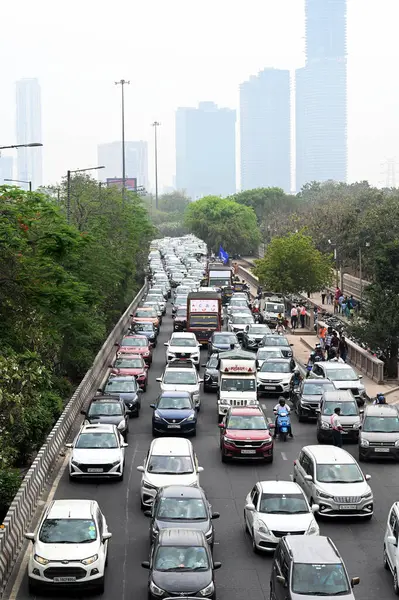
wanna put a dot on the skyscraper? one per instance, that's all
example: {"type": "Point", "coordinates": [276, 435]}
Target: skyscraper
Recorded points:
{"type": "Point", "coordinates": [205, 150]}
{"type": "Point", "coordinates": [265, 130]}
{"type": "Point", "coordinates": [136, 157]}
{"type": "Point", "coordinates": [6, 169]}
{"type": "Point", "coordinates": [28, 130]}
{"type": "Point", "coordinates": [321, 95]}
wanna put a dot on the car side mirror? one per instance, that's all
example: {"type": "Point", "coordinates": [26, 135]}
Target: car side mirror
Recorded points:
{"type": "Point", "coordinates": [281, 579]}
{"type": "Point", "coordinates": [166, 343]}
{"type": "Point", "coordinates": [117, 344]}
{"type": "Point", "coordinates": [291, 344]}
{"type": "Point", "coordinates": [68, 445]}
{"type": "Point", "coordinates": [159, 379]}
{"type": "Point", "coordinates": [367, 477]}
{"type": "Point", "coordinates": [361, 411]}
{"type": "Point", "coordinates": [308, 478]}
{"type": "Point", "coordinates": [82, 412]}
{"type": "Point", "coordinates": [215, 515]}
{"type": "Point", "coordinates": [147, 513]}
{"type": "Point", "coordinates": [107, 536]}
{"type": "Point", "coordinates": [355, 581]}
{"type": "Point", "coordinates": [250, 507]}
{"type": "Point", "coordinates": [124, 445]}
{"type": "Point", "coordinates": [360, 377]}
{"type": "Point", "coordinates": [391, 539]}
{"type": "Point", "coordinates": [152, 406]}
{"type": "Point", "coordinates": [145, 564]}
{"type": "Point", "coordinates": [217, 565]}
{"type": "Point", "coordinates": [30, 536]}
{"type": "Point", "coordinates": [200, 381]}
{"type": "Point", "coordinates": [221, 425]}
{"type": "Point", "coordinates": [315, 508]}
{"type": "Point", "coordinates": [200, 469]}
{"type": "Point", "coordinates": [140, 391]}
{"type": "Point", "coordinates": [140, 468]}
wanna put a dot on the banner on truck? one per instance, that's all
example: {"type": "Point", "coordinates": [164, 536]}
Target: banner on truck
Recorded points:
{"type": "Point", "coordinates": [204, 305]}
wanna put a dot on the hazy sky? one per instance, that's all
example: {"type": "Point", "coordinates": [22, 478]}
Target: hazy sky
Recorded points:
{"type": "Point", "coordinates": [177, 53]}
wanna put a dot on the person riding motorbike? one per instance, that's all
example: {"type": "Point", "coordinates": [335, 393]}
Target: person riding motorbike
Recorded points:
{"type": "Point", "coordinates": [281, 407]}
{"type": "Point", "coordinates": [380, 399]}
{"type": "Point", "coordinates": [295, 379]}
{"type": "Point", "coordinates": [280, 323]}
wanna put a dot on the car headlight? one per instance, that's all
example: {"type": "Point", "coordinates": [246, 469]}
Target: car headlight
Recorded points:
{"type": "Point", "coordinates": [323, 495]}
{"type": "Point", "coordinates": [191, 417]}
{"type": "Point", "coordinates": [209, 533]}
{"type": "Point", "coordinates": [75, 462]}
{"type": "Point", "coordinates": [196, 397]}
{"type": "Point", "coordinates": [41, 560]}
{"type": "Point", "coordinates": [121, 425]}
{"type": "Point", "coordinates": [368, 494]}
{"type": "Point", "coordinates": [313, 528]}
{"type": "Point", "coordinates": [116, 463]}
{"type": "Point", "coordinates": [397, 443]}
{"type": "Point", "coordinates": [227, 439]}
{"type": "Point", "coordinates": [171, 355]}
{"type": "Point", "coordinates": [149, 486]}
{"type": "Point", "coordinates": [365, 443]}
{"type": "Point", "coordinates": [90, 560]}
{"type": "Point", "coordinates": [262, 528]}
{"type": "Point", "coordinates": [207, 376]}
{"type": "Point", "coordinates": [325, 425]}
{"type": "Point", "coordinates": [224, 402]}
{"type": "Point", "coordinates": [157, 415]}
{"type": "Point", "coordinates": [154, 589]}
{"type": "Point", "coordinates": [208, 590]}
{"type": "Point", "coordinates": [195, 355]}
{"type": "Point", "coordinates": [356, 425]}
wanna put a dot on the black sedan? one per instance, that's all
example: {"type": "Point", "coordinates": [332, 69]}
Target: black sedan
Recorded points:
{"type": "Point", "coordinates": [220, 341]}
{"type": "Point", "coordinates": [180, 319]}
{"type": "Point", "coordinates": [211, 374]}
{"type": "Point", "coordinates": [177, 506]}
{"type": "Point", "coordinates": [174, 413]}
{"type": "Point", "coordinates": [109, 410]}
{"type": "Point", "coordinates": [181, 563]}
{"type": "Point", "coordinates": [253, 335]}
{"type": "Point", "coordinates": [307, 396]}
{"type": "Point", "coordinates": [125, 388]}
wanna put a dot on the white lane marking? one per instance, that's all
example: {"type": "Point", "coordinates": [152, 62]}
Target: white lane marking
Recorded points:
{"type": "Point", "coordinates": [284, 456]}
{"type": "Point", "coordinates": [127, 540]}
{"type": "Point", "coordinates": [24, 564]}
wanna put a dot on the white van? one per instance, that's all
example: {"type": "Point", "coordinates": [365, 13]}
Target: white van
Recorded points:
{"type": "Point", "coordinates": [391, 554]}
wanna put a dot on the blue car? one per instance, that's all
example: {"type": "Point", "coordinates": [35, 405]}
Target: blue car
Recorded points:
{"type": "Point", "coordinates": [174, 412]}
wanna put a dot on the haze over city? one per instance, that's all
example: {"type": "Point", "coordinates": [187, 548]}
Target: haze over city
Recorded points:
{"type": "Point", "coordinates": [177, 54]}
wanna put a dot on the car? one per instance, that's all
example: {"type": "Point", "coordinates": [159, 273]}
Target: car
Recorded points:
{"type": "Point", "coordinates": [274, 509]}
{"type": "Point", "coordinates": [97, 451]}
{"type": "Point", "coordinates": [179, 506]}
{"type": "Point", "coordinates": [185, 347]}
{"type": "Point", "coordinates": [136, 344]}
{"type": "Point", "coordinates": [390, 553]}
{"type": "Point", "coordinates": [180, 319]}
{"type": "Point", "coordinates": [180, 376]}
{"type": "Point", "coordinates": [264, 353]}
{"type": "Point", "coordinates": [148, 314]}
{"type": "Point", "coordinates": [131, 364]}
{"type": "Point", "coordinates": [307, 567]}
{"type": "Point", "coordinates": [69, 548]}
{"type": "Point", "coordinates": [307, 396]}
{"type": "Point", "coordinates": [155, 304]}
{"type": "Point", "coordinates": [237, 302]}
{"type": "Point", "coordinates": [244, 434]}
{"type": "Point", "coordinates": [125, 388]}
{"type": "Point", "coordinates": [159, 287]}
{"type": "Point", "coordinates": [180, 300]}
{"type": "Point", "coordinates": [180, 561]}
{"type": "Point", "coordinates": [169, 461]}
{"type": "Point", "coordinates": [238, 322]}
{"type": "Point", "coordinates": [350, 417]}
{"type": "Point", "coordinates": [273, 306]}
{"type": "Point", "coordinates": [158, 296]}
{"type": "Point", "coordinates": [253, 335]}
{"type": "Point", "coordinates": [379, 433]}
{"type": "Point", "coordinates": [211, 374]}
{"type": "Point", "coordinates": [174, 412]}
{"type": "Point", "coordinates": [274, 376]}
{"type": "Point", "coordinates": [331, 477]}
{"type": "Point", "coordinates": [272, 340]}
{"type": "Point", "coordinates": [220, 341]}
{"type": "Point", "coordinates": [343, 377]}
{"type": "Point", "coordinates": [108, 410]}
{"type": "Point", "coordinates": [146, 329]}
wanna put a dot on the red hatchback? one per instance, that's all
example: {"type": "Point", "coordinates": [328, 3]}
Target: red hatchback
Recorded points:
{"type": "Point", "coordinates": [136, 344]}
{"type": "Point", "coordinates": [244, 434]}
{"type": "Point", "coordinates": [131, 364]}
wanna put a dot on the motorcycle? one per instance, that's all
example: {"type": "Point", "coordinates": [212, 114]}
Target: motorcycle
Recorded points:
{"type": "Point", "coordinates": [283, 425]}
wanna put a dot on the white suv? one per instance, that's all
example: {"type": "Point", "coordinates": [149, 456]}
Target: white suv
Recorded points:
{"type": "Point", "coordinates": [182, 377]}
{"type": "Point", "coordinates": [391, 553]}
{"type": "Point", "coordinates": [69, 548]}
{"type": "Point", "coordinates": [183, 346]}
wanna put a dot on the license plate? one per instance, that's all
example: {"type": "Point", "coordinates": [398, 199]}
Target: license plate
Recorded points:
{"type": "Point", "coordinates": [173, 426]}
{"type": "Point", "coordinates": [269, 387]}
{"type": "Point", "coordinates": [94, 471]}
{"type": "Point", "coordinates": [248, 451]}
{"type": "Point", "coordinates": [347, 507]}
{"type": "Point", "coordinates": [64, 579]}
{"type": "Point", "coordinates": [381, 449]}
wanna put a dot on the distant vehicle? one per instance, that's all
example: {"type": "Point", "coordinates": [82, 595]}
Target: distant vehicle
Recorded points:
{"type": "Point", "coordinates": [125, 388]}
{"type": "Point", "coordinates": [108, 410]}
{"type": "Point", "coordinates": [131, 364]}
{"type": "Point", "coordinates": [204, 314]}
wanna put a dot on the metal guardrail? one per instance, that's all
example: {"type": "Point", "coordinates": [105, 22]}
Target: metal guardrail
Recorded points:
{"type": "Point", "coordinates": [24, 505]}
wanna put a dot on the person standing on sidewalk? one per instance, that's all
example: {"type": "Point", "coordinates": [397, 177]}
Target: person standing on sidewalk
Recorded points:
{"type": "Point", "coordinates": [323, 296]}
{"type": "Point", "coordinates": [294, 317]}
{"type": "Point", "coordinates": [322, 336]}
{"type": "Point", "coordinates": [327, 343]}
{"type": "Point", "coordinates": [302, 315]}
{"type": "Point", "coordinates": [336, 427]}
{"type": "Point", "coordinates": [343, 348]}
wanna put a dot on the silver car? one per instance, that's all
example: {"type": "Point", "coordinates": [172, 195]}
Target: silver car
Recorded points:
{"type": "Point", "coordinates": [343, 377]}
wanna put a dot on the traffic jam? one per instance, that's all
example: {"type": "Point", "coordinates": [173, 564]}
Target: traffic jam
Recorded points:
{"type": "Point", "coordinates": [202, 405]}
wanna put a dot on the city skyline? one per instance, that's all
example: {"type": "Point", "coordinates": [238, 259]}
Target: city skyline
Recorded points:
{"type": "Point", "coordinates": [136, 157]}
{"type": "Point", "coordinates": [28, 129]}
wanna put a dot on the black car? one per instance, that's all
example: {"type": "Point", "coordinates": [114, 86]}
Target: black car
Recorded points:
{"type": "Point", "coordinates": [109, 410]}
{"type": "Point", "coordinates": [253, 336]}
{"type": "Point", "coordinates": [211, 374]}
{"type": "Point", "coordinates": [306, 397]}
{"type": "Point", "coordinates": [181, 563]}
{"type": "Point", "coordinates": [125, 388]}
{"type": "Point", "coordinates": [220, 341]}
{"type": "Point", "coordinates": [146, 328]}
{"type": "Point", "coordinates": [180, 319]}
{"type": "Point", "coordinates": [180, 506]}
{"type": "Point", "coordinates": [273, 340]}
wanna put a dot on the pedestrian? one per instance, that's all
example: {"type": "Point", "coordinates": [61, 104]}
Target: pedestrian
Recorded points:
{"type": "Point", "coordinates": [330, 298]}
{"type": "Point", "coordinates": [336, 427]}
{"type": "Point", "coordinates": [294, 317]}
{"type": "Point", "coordinates": [341, 300]}
{"type": "Point", "coordinates": [343, 348]}
{"type": "Point", "coordinates": [333, 345]}
{"type": "Point", "coordinates": [327, 343]}
{"type": "Point", "coordinates": [323, 296]}
{"type": "Point", "coordinates": [302, 315]}
{"type": "Point", "coordinates": [322, 336]}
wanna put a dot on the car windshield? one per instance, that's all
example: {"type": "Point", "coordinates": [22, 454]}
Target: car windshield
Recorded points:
{"type": "Point", "coordinates": [182, 509]}
{"type": "Point", "coordinates": [105, 409]}
{"type": "Point", "coordinates": [246, 422]}
{"type": "Point", "coordinates": [170, 465]}
{"type": "Point", "coordinates": [180, 300]}
{"type": "Point", "coordinates": [312, 388]}
{"type": "Point", "coordinates": [319, 579]}
{"type": "Point", "coordinates": [116, 386]}
{"type": "Point", "coordinates": [144, 327]}
{"type": "Point", "coordinates": [275, 341]}
{"type": "Point", "coordinates": [186, 377]}
{"type": "Point", "coordinates": [224, 339]}
{"type": "Point", "coordinates": [96, 440]}
{"type": "Point", "coordinates": [175, 403]}
{"type": "Point", "coordinates": [68, 531]}
{"type": "Point", "coordinates": [240, 319]}
{"type": "Point", "coordinates": [264, 354]}
{"type": "Point", "coordinates": [181, 342]}
{"type": "Point", "coordinates": [143, 314]}
{"type": "Point", "coordinates": [213, 362]}
{"type": "Point", "coordinates": [128, 363]}
{"type": "Point", "coordinates": [270, 307]}
{"type": "Point", "coordinates": [348, 409]}
{"type": "Point", "coordinates": [181, 312]}
{"type": "Point", "coordinates": [286, 504]}
{"type": "Point", "coordinates": [238, 385]}
{"type": "Point", "coordinates": [256, 329]}
{"type": "Point", "coordinates": [133, 341]}
{"type": "Point", "coordinates": [238, 302]}
{"type": "Point", "coordinates": [181, 558]}
{"type": "Point", "coordinates": [336, 473]}
{"type": "Point", "coordinates": [381, 424]}
{"type": "Point", "coordinates": [275, 367]}
{"type": "Point", "coordinates": [342, 374]}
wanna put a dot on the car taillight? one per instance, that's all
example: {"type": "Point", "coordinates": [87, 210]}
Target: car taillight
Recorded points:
{"type": "Point", "coordinates": [146, 353]}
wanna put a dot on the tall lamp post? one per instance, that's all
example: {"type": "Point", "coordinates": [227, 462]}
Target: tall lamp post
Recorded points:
{"type": "Point", "coordinates": [69, 187]}
{"type": "Point", "coordinates": [122, 83]}
{"type": "Point", "coordinates": [33, 145]}
{"type": "Point", "coordinates": [155, 126]}
{"type": "Point", "coordinates": [21, 181]}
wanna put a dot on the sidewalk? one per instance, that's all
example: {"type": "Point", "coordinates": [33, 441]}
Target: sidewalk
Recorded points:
{"type": "Point", "coordinates": [301, 354]}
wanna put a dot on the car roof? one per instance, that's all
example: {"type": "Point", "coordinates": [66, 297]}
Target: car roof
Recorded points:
{"type": "Point", "coordinates": [98, 428]}
{"type": "Point", "coordinates": [183, 334]}
{"type": "Point", "coordinates": [330, 454]}
{"type": "Point", "coordinates": [338, 396]}
{"type": "Point", "coordinates": [335, 365]}
{"type": "Point", "coordinates": [128, 355]}
{"type": "Point", "coordinates": [181, 537]}
{"type": "Point", "coordinates": [246, 411]}
{"type": "Point", "coordinates": [105, 398]}
{"type": "Point", "coordinates": [277, 359]}
{"type": "Point", "coordinates": [280, 487]}
{"type": "Point", "coordinates": [135, 335]}
{"type": "Point", "coordinates": [381, 410]}
{"type": "Point", "coordinates": [182, 491]}
{"type": "Point", "coordinates": [312, 549]}
{"type": "Point", "coordinates": [172, 445]}
{"type": "Point", "coordinates": [122, 377]}
{"type": "Point", "coordinates": [169, 394]}
{"type": "Point", "coordinates": [71, 509]}
{"type": "Point", "coordinates": [318, 380]}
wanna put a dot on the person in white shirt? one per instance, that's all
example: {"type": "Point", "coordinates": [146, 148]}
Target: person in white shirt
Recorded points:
{"type": "Point", "coordinates": [294, 317]}
{"type": "Point", "coordinates": [282, 406]}
{"type": "Point", "coordinates": [336, 427]}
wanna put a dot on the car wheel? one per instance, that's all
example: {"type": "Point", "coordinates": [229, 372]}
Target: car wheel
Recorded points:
{"type": "Point", "coordinates": [145, 387]}
{"type": "Point", "coordinates": [395, 582]}
{"type": "Point", "coordinates": [194, 433]}
{"type": "Point", "coordinates": [122, 474]}
{"type": "Point", "coordinates": [385, 559]}
{"type": "Point", "coordinates": [224, 457]}
{"type": "Point", "coordinates": [33, 586]}
{"type": "Point", "coordinates": [71, 479]}
{"type": "Point", "coordinates": [100, 586]}
{"type": "Point", "coordinates": [254, 548]}
{"type": "Point", "coordinates": [269, 459]}
{"type": "Point", "coordinates": [137, 413]}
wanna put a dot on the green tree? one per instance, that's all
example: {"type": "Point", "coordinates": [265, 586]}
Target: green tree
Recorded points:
{"type": "Point", "coordinates": [292, 264]}
{"type": "Point", "coordinates": [265, 201]}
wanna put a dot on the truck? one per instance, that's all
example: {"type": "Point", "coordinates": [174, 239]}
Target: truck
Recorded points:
{"type": "Point", "coordinates": [204, 314]}
{"type": "Point", "coordinates": [220, 276]}
{"type": "Point", "coordinates": [273, 305]}
{"type": "Point", "coordinates": [237, 381]}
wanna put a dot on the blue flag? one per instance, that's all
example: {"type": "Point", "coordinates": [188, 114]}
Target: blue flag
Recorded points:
{"type": "Point", "coordinates": [223, 255]}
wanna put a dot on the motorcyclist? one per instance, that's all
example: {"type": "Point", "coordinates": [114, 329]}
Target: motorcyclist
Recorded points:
{"type": "Point", "coordinates": [295, 379]}
{"type": "Point", "coordinates": [280, 322]}
{"type": "Point", "coordinates": [281, 407]}
{"type": "Point", "coordinates": [380, 399]}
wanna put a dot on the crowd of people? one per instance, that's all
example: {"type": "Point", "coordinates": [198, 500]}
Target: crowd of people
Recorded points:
{"type": "Point", "coordinates": [332, 344]}
{"type": "Point", "coordinates": [344, 305]}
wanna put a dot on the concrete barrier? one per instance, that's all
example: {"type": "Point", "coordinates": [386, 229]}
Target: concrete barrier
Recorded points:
{"type": "Point", "coordinates": [24, 505]}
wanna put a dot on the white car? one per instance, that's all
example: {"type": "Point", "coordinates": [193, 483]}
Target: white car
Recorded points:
{"type": "Point", "coordinates": [158, 297]}
{"type": "Point", "coordinates": [391, 554]}
{"type": "Point", "coordinates": [179, 377]}
{"type": "Point", "coordinates": [97, 451]}
{"type": "Point", "coordinates": [274, 376]}
{"type": "Point", "coordinates": [274, 509]}
{"type": "Point", "coordinates": [265, 353]}
{"type": "Point", "coordinates": [237, 303]}
{"type": "Point", "coordinates": [238, 322]}
{"type": "Point", "coordinates": [183, 346]}
{"type": "Point", "coordinates": [69, 548]}
{"type": "Point", "coordinates": [170, 461]}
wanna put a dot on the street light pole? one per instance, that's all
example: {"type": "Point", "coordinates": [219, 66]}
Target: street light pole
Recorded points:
{"type": "Point", "coordinates": [21, 181]}
{"type": "Point", "coordinates": [122, 83]}
{"type": "Point", "coordinates": [156, 125]}
{"type": "Point", "coordinates": [33, 145]}
{"type": "Point", "coordinates": [69, 187]}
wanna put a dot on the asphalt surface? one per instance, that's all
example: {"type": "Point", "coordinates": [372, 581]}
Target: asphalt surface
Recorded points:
{"type": "Point", "coordinates": [243, 574]}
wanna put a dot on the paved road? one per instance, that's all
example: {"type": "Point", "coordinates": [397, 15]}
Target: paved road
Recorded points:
{"type": "Point", "coordinates": [243, 574]}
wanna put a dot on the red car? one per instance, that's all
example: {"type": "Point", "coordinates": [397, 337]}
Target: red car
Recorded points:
{"type": "Point", "coordinates": [131, 364]}
{"type": "Point", "coordinates": [244, 434]}
{"type": "Point", "coordinates": [136, 344]}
